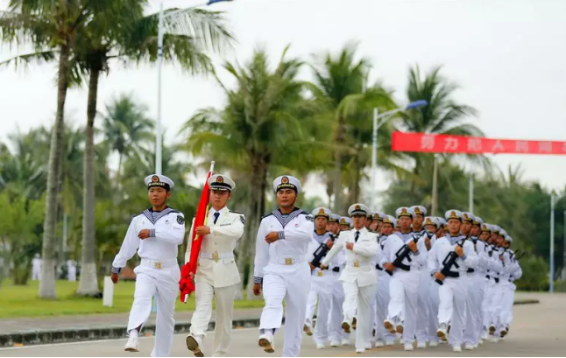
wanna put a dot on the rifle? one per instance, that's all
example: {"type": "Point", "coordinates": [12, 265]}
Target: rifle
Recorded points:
{"type": "Point", "coordinates": [402, 254]}
{"type": "Point", "coordinates": [321, 252]}
{"type": "Point", "coordinates": [449, 261]}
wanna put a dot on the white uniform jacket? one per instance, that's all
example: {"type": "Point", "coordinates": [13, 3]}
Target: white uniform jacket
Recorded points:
{"type": "Point", "coordinates": [359, 260]}
{"type": "Point", "coordinates": [294, 235]}
{"type": "Point", "coordinates": [442, 247]}
{"type": "Point", "coordinates": [216, 264]}
{"type": "Point", "coordinates": [160, 248]}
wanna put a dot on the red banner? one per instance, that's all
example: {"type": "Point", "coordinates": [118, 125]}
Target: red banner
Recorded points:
{"type": "Point", "coordinates": [188, 271]}
{"type": "Point", "coordinates": [441, 143]}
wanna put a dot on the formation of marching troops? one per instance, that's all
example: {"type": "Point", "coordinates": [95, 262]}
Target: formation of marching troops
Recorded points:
{"type": "Point", "coordinates": [370, 277]}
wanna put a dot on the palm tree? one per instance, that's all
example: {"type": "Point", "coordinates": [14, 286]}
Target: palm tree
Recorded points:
{"type": "Point", "coordinates": [261, 124]}
{"type": "Point", "coordinates": [126, 128]}
{"type": "Point", "coordinates": [342, 85]}
{"type": "Point", "coordinates": [49, 25]}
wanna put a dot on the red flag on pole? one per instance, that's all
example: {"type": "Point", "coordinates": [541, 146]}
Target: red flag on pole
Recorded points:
{"type": "Point", "coordinates": [188, 271]}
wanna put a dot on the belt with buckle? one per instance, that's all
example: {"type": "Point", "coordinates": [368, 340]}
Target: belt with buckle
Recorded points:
{"type": "Point", "coordinates": [286, 260]}
{"type": "Point", "coordinates": [320, 274]}
{"type": "Point", "coordinates": [159, 264]}
{"type": "Point", "coordinates": [357, 263]}
{"type": "Point", "coordinates": [216, 255]}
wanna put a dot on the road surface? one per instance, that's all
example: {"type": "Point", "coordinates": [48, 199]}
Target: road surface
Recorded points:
{"type": "Point", "coordinates": [538, 330]}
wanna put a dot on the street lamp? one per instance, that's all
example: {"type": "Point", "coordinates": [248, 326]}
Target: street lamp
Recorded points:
{"type": "Point", "coordinates": [376, 124]}
{"type": "Point", "coordinates": [188, 30]}
{"type": "Point", "coordinates": [553, 200]}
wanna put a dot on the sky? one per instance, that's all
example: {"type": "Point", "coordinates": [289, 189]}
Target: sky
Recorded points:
{"type": "Point", "coordinates": [507, 56]}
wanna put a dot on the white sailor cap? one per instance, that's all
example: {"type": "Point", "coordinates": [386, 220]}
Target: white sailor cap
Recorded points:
{"type": "Point", "coordinates": [404, 211]}
{"type": "Point", "coordinates": [453, 214]}
{"type": "Point", "coordinates": [430, 220]}
{"type": "Point", "coordinates": [477, 221]}
{"type": "Point", "coordinates": [441, 221]}
{"type": "Point", "coordinates": [287, 182]}
{"type": "Point", "coordinates": [160, 181]}
{"type": "Point", "coordinates": [389, 219]}
{"type": "Point", "coordinates": [509, 239]}
{"type": "Point", "coordinates": [378, 216]}
{"type": "Point", "coordinates": [502, 233]}
{"type": "Point", "coordinates": [221, 182]}
{"type": "Point", "coordinates": [495, 229]}
{"type": "Point", "coordinates": [466, 216]}
{"type": "Point", "coordinates": [418, 210]}
{"type": "Point", "coordinates": [334, 218]}
{"type": "Point", "coordinates": [485, 227]}
{"type": "Point", "coordinates": [344, 220]}
{"type": "Point", "coordinates": [321, 212]}
{"type": "Point", "coordinates": [358, 209]}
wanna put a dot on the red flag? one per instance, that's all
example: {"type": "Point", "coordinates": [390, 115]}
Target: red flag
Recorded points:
{"type": "Point", "coordinates": [188, 271]}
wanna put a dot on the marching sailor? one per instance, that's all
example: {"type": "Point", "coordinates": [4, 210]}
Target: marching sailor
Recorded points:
{"type": "Point", "coordinates": [217, 274]}
{"type": "Point", "coordinates": [321, 281]}
{"type": "Point", "coordinates": [404, 284]}
{"type": "Point", "coordinates": [155, 235]}
{"type": "Point", "coordinates": [448, 261]}
{"type": "Point", "coordinates": [337, 335]}
{"type": "Point", "coordinates": [281, 270]}
{"type": "Point", "coordinates": [359, 276]}
{"type": "Point", "coordinates": [512, 272]}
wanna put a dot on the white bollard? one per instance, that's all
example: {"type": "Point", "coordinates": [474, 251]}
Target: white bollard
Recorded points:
{"type": "Point", "coordinates": [108, 292]}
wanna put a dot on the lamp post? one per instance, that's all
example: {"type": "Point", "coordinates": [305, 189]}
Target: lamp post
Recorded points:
{"type": "Point", "coordinates": [378, 121]}
{"type": "Point", "coordinates": [160, 33]}
{"type": "Point", "coordinates": [553, 200]}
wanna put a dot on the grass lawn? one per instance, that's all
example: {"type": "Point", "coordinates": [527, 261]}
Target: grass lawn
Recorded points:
{"type": "Point", "coordinates": [22, 301]}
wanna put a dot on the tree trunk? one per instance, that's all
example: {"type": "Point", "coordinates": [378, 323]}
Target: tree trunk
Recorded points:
{"type": "Point", "coordinates": [47, 283]}
{"type": "Point", "coordinates": [257, 207]}
{"type": "Point", "coordinates": [357, 176]}
{"type": "Point", "coordinates": [337, 180]}
{"type": "Point", "coordinates": [88, 282]}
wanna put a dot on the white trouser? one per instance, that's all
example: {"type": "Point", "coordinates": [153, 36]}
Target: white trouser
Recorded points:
{"type": "Point", "coordinates": [321, 292]}
{"type": "Point", "coordinates": [433, 303]}
{"type": "Point", "coordinates": [403, 293]}
{"type": "Point", "coordinates": [204, 293]}
{"type": "Point", "coordinates": [423, 306]}
{"type": "Point", "coordinates": [335, 332]}
{"type": "Point", "coordinates": [36, 273]}
{"type": "Point", "coordinates": [496, 305]}
{"type": "Point", "coordinates": [164, 284]}
{"type": "Point", "coordinates": [362, 297]}
{"type": "Point", "coordinates": [476, 286]}
{"type": "Point", "coordinates": [452, 307]}
{"type": "Point", "coordinates": [292, 284]}
{"type": "Point", "coordinates": [487, 302]}
{"type": "Point", "coordinates": [507, 304]}
{"type": "Point", "coordinates": [382, 301]}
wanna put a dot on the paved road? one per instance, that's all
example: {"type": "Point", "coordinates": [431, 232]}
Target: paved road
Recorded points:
{"type": "Point", "coordinates": [538, 330]}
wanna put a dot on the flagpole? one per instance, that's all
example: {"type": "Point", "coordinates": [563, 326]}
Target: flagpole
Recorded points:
{"type": "Point", "coordinates": [211, 172]}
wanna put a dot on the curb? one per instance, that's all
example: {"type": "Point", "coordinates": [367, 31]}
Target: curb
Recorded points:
{"type": "Point", "coordinates": [116, 332]}
{"type": "Point", "coordinates": [78, 335]}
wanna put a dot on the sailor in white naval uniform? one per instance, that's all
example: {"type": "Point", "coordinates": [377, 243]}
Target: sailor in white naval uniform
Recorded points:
{"type": "Point", "coordinates": [359, 277]}
{"type": "Point", "coordinates": [404, 284]}
{"type": "Point", "coordinates": [281, 269]}
{"type": "Point", "coordinates": [453, 290]}
{"type": "Point", "coordinates": [336, 334]}
{"type": "Point", "coordinates": [217, 274]}
{"type": "Point", "coordinates": [154, 235]}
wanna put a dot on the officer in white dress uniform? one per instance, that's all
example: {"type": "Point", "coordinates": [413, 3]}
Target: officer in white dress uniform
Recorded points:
{"type": "Point", "coordinates": [36, 268]}
{"type": "Point", "coordinates": [217, 274]}
{"type": "Point", "coordinates": [336, 334]}
{"type": "Point", "coordinates": [321, 281]}
{"type": "Point", "coordinates": [453, 291]}
{"type": "Point", "coordinates": [383, 335]}
{"type": "Point", "coordinates": [154, 235]}
{"type": "Point", "coordinates": [359, 277]}
{"type": "Point", "coordinates": [404, 283]}
{"type": "Point", "coordinates": [281, 269]}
